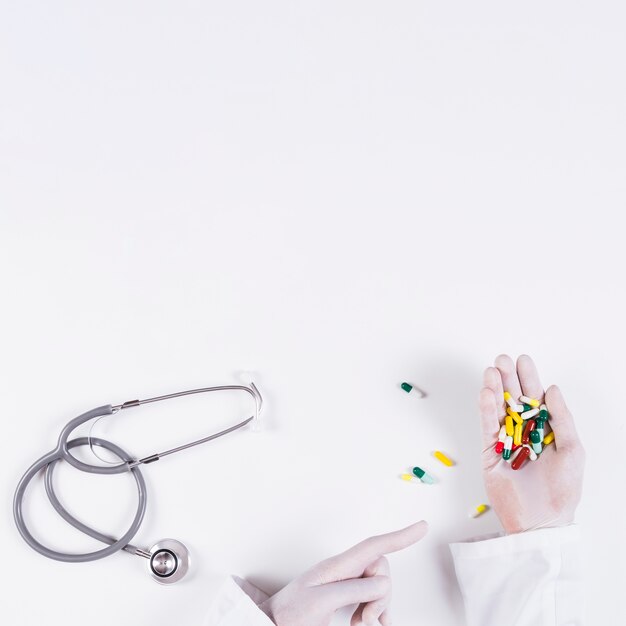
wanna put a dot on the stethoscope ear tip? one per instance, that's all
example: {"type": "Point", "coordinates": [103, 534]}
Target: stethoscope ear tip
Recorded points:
{"type": "Point", "coordinates": [169, 561]}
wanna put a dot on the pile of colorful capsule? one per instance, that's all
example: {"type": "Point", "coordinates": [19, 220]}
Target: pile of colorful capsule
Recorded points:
{"type": "Point", "coordinates": [522, 436]}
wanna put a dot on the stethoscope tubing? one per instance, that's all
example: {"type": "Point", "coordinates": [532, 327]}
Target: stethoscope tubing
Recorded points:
{"type": "Point", "coordinates": [47, 462]}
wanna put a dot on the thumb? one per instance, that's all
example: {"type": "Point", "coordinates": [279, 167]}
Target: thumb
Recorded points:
{"type": "Point", "coordinates": [333, 596]}
{"type": "Point", "coordinates": [561, 420]}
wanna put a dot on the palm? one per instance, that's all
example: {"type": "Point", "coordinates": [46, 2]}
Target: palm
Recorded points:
{"type": "Point", "coordinates": [542, 493]}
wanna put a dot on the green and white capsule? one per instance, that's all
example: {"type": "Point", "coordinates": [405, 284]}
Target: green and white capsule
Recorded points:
{"type": "Point", "coordinates": [530, 414]}
{"type": "Point", "coordinates": [508, 445]}
{"type": "Point", "coordinates": [535, 441]}
{"type": "Point", "coordinates": [514, 455]}
{"type": "Point", "coordinates": [409, 388]}
{"type": "Point", "coordinates": [540, 421]}
{"type": "Point", "coordinates": [423, 476]}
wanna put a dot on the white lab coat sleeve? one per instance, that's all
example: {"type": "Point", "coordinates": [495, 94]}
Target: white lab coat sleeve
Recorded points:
{"type": "Point", "coordinates": [236, 604]}
{"type": "Point", "coordinates": [528, 579]}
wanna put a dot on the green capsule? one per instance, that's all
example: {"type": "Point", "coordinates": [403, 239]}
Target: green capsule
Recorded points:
{"type": "Point", "coordinates": [543, 414]}
{"type": "Point", "coordinates": [506, 454]}
{"type": "Point", "coordinates": [527, 407]}
{"type": "Point", "coordinates": [406, 387]}
{"type": "Point", "coordinates": [423, 476]}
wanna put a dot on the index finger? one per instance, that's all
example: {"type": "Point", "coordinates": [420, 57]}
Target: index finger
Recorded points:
{"type": "Point", "coordinates": [354, 561]}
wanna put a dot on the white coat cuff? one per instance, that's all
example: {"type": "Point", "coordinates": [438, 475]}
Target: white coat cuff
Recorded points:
{"type": "Point", "coordinates": [528, 579]}
{"type": "Point", "coordinates": [236, 604]}
{"type": "Point", "coordinates": [499, 545]}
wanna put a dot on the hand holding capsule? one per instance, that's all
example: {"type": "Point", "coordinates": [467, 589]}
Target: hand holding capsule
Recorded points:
{"type": "Point", "coordinates": [544, 493]}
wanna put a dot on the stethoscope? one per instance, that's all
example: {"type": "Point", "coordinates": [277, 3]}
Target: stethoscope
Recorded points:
{"type": "Point", "coordinates": [168, 559]}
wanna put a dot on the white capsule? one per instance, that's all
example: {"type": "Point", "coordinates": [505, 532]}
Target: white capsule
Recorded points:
{"type": "Point", "coordinates": [502, 435]}
{"type": "Point", "coordinates": [512, 403]}
{"type": "Point", "coordinates": [528, 414]}
{"type": "Point", "coordinates": [543, 407]}
{"type": "Point", "coordinates": [532, 401]}
{"type": "Point", "coordinates": [542, 434]}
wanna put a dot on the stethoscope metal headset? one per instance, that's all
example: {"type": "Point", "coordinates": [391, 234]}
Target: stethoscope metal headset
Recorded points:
{"type": "Point", "coordinates": [168, 559]}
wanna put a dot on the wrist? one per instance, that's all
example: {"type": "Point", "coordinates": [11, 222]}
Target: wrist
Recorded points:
{"type": "Point", "coordinates": [515, 526]}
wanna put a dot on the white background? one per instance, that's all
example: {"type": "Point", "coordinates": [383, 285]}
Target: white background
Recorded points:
{"type": "Point", "coordinates": [339, 196]}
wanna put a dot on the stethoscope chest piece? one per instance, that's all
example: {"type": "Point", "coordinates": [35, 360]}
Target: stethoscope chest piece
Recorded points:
{"type": "Point", "coordinates": [169, 561]}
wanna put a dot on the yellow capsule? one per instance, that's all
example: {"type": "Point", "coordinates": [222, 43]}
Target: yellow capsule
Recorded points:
{"type": "Point", "coordinates": [532, 401]}
{"type": "Point", "coordinates": [479, 510]}
{"type": "Point", "coordinates": [440, 456]}
{"type": "Point", "coordinates": [548, 439]}
{"type": "Point", "coordinates": [514, 415]}
{"type": "Point", "coordinates": [508, 425]}
{"type": "Point", "coordinates": [517, 435]}
{"type": "Point", "coordinates": [507, 395]}
{"type": "Point", "coordinates": [410, 478]}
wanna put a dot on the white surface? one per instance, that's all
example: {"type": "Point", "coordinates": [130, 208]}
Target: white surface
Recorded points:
{"type": "Point", "coordinates": [341, 196]}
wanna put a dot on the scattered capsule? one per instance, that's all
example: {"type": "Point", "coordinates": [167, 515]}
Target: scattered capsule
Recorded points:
{"type": "Point", "coordinates": [532, 401]}
{"type": "Point", "coordinates": [515, 415]}
{"type": "Point", "coordinates": [508, 425]}
{"type": "Point", "coordinates": [548, 439]}
{"type": "Point", "coordinates": [410, 478]}
{"type": "Point", "coordinates": [409, 388]}
{"type": "Point", "coordinates": [508, 444]}
{"type": "Point", "coordinates": [530, 426]}
{"type": "Point", "coordinates": [479, 510]}
{"type": "Point", "coordinates": [535, 441]}
{"type": "Point", "coordinates": [423, 476]}
{"type": "Point", "coordinates": [521, 458]}
{"type": "Point", "coordinates": [517, 435]}
{"type": "Point", "coordinates": [440, 456]}
{"type": "Point", "coordinates": [530, 414]}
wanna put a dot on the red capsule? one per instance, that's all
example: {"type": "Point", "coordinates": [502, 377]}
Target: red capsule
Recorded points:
{"type": "Point", "coordinates": [518, 461]}
{"type": "Point", "coordinates": [530, 426]}
{"type": "Point", "coordinates": [499, 447]}
{"type": "Point", "coordinates": [515, 447]}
